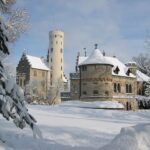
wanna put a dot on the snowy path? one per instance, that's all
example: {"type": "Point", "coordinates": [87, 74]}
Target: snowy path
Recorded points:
{"type": "Point", "coordinates": [70, 128]}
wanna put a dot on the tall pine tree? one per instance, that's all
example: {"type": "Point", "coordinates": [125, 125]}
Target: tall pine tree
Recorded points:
{"type": "Point", "coordinates": [12, 101]}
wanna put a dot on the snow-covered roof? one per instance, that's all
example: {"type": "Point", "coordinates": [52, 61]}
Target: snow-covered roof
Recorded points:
{"type": "Point", "coordinates": [36, 62]}
{"type": "Point", "coordinates": [97, 58]}
{"type": "Point", "coordinates": [82, 59]}
{"type": "Point", "coordinates": [64, 79]}
{"type": "Point", "coordinates": [141, 76]}
{"type": "Point", "coordinates": [117, 63]}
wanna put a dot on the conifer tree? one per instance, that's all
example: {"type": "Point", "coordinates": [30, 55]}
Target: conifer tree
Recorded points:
{"type": "Point", "coordinates": [12, 101]}
{"type": "Point", "coordinates": [147, 89]}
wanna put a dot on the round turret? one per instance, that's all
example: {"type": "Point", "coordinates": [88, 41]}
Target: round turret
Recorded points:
{"type": "Point", "coordinates": [56, 63]}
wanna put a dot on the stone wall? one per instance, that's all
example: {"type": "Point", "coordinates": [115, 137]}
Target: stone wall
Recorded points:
{"type": "Point", "coordinates": [74, 86]}
{"type": "Point", "coordinates": [96, 82]}
{"type": "Point", "coordinates": [33, 81]}
{"type": "Point", "coordinates": [125, 81]}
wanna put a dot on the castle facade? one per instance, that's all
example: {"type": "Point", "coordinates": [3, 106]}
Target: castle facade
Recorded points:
{"type": "Point", "coordinates": [99, 78]}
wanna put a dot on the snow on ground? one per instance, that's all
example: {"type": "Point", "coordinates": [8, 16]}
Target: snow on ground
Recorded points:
{"type": "Point", "coordinates": [68, 127]}
{"type": "Point", "coordinates": [131, 138]}
{"type": "Point", "coordinates": [95, 104]}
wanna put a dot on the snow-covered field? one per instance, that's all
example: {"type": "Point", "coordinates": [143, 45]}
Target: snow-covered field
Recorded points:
{"type": "Point", "coordinates": [69, 127]}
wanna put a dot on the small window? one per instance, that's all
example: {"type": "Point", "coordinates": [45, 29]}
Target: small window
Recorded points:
{"type": "Point", "coordinates": [95, 92]}
{"type": "Point", "coordinates": [128, 72]}
{"type": "Point", "coordinates": [51, 76]}
{"type": "Point", "coordinates": [119, 88]}
{"type": "Point", "coordinates": [140, 92]}
{"type": "Point", "coordinates": [106, 93]}
{"type": "Point", "coordinates": [127, 88]}
{"type": "Point", "coordinates": [51, 49]}
{"type": "Point", "coordinates": [116, 71]}
{"type": "Point", "coordinates": [84, 93]}
{"type": "Point", "coordinates": [130, 88]}
{"type": "Point", "coordinates": [55, 36]}
{"type": "Point", "coordinates": [95, 82]}
{"type": "Point", "coordinates": [61, 50]}
{"type": "Point", "coordinates": [51, 60]}
{"type": "Point", "coordinates": [115, 87]}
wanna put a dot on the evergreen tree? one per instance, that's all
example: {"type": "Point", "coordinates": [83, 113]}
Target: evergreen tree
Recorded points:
{"type": "Point", "coordinates": [147, 89]}
{"type": "Point", "coordinates": [12, 101]}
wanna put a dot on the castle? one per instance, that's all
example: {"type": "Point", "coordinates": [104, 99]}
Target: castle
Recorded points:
{"type": "Point", "coordinates": [100, 77]}
{"type": "Point", "coordinates": [97, 77]}
{"type": "Point", "coordinates": [44, 78]}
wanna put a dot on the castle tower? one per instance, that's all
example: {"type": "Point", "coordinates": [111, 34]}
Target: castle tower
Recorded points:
{"type": "Point", "coordinates": [55, 58]}
{"type": "Point", "coordinates": [56, 64]}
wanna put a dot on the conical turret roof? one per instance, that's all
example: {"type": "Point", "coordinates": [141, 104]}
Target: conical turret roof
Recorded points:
{"type": "Point", "coordinates": [96, 57]}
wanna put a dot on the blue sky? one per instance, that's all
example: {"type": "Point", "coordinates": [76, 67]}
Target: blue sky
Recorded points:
{"type": "Point", "coordinates": [120, 27]}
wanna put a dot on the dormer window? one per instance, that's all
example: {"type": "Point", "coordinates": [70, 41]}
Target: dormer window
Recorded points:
{"type": "Point", "coordinates": [116, 71]}
{"type": "Point", "coordinates": [128, 72]}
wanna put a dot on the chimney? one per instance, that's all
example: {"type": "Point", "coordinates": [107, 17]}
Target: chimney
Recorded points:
{"type": "Point", "coordinates": [96, 46]}
{"type": "Point", "coordinates": [85, 52]}
{"type": "Point", "coordinates": [104, 54]}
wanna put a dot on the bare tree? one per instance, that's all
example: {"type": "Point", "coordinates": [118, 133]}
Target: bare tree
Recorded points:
{"type": "Point", "coordinates": [143, 63]}
{"type": "Point", "coordinates": [54, 92]}
{"type": "Point", "coordinates": [35, 90]}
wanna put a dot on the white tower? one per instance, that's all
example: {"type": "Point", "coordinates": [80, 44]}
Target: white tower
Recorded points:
{"type": "Point", "coordinates": [55, 58]}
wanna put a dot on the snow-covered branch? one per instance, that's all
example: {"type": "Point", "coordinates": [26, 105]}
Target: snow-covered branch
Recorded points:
{"type": "Point", "coordinates": [12, 100]}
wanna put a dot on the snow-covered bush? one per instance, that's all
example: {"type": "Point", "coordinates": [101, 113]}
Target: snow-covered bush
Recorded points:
{"type": "Point", "coordinates": [143, 102]}
{"type": "Point", "coordinates": [131, 138]}
{"type": "Point", "coordinates": [12, 101]}
{"type": "Point", "coordinates": [147, 89]}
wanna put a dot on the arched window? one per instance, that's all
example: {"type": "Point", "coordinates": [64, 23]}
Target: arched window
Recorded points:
{"type": "Point", "coordinates": [115, 87]}
{"type": "Point", "coordinates": [119, 88]}
{"type": "Point", "coordinates": [61, 50]}
{"type": "Point", "coordinates": [127, 88]}
{"type": "Point", "coordinates": [130, 88]}
{"type": "Point", "coordinates": [140, 92]}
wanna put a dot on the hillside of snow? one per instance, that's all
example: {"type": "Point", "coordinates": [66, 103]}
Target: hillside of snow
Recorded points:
{"type": "Point", "coordinates": [69, 127]}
